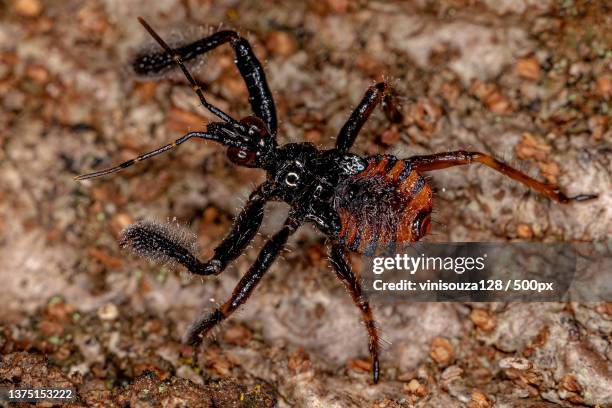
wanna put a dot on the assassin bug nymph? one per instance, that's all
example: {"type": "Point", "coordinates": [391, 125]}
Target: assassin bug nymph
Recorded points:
{"type": "Point", "coordinates": [357, 202]}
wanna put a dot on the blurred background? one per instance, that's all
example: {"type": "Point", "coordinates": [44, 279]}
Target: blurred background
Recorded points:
{"type": "Point", "coordinates": [529, 81]}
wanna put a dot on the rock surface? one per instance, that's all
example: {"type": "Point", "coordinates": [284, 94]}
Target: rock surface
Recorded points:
{"type": "Point", "coordinates": [521, 79]}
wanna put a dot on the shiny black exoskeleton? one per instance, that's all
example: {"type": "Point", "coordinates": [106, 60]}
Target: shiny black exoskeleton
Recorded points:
{"type": "Point", "coordinates": [357, 202]}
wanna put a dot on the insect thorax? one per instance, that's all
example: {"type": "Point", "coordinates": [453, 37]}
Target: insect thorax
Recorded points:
{"type": "Point", "coordinates": [303, 173]}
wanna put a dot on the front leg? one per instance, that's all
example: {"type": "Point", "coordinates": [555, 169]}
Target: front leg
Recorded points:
{"type": "Point", "coordinates": [346, 275]}
{"type": "Point", "coordinates": [260, 96]}
{"type": "Point", "coordinates": [243, 230]}
{"type": "Point", "coordinates": [381, 92]}
{"type": "Point", "coordinates": [201, 326]}
{"type": "Point", "coordinates": [156, 243]}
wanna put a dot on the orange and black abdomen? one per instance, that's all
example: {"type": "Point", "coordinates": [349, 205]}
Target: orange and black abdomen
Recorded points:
{"type": "Point", "coordinates": [384, 205]}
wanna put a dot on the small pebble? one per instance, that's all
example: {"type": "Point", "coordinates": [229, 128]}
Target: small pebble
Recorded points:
{"type": "Point", "coordinates": [38, 73]}
{"type": "Point", "coordinates": [528, 68]}
{"type": "Point", "coordinates": [298, 361]}
{"type": "Point", "coordinates": [524, 231]}
{"type": "Point", "coordinates": [518, 363]}
{"type": "Point", "coordinates": [550, 170]}
{"type": "Point", "coordinates": [491, 97]}
{"type": "Point", "coordinates": [604, 86]}
{"type": "Point", "coordinates": [414, 387]}
{"type": "Point", "coordinates": [483, 319]}
{"type": "Point", "coordinates": [451, 373]}
{"type": "Point", "coordinates": [120, 221]}
{"type": "Point", "coordinates": [569, 383]}
{"type": "Point", "coordinates": [479, 400]}
{"type": "Point", "coordinates": [28, 8]}
{"type": "Point", "coordinates": [359, 365]}
{"type": "Point", "coordinates": [531, 147]}
{"type": "Point", "coordinates": [441, 351]}
{"type": "Point", "coordinates": [108, 312]}
{"type": "Point", "coordinates": [281, 43]}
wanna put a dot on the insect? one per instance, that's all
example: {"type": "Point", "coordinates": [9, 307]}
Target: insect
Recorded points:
{"type": "Point", "coordinates": [358, 202]}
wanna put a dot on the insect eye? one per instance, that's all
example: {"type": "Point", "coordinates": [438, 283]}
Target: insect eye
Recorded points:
{"type": "Point", "coordinates": [241, 157]}
{"type": "Point", "coordinates": [255, 126]}
{"type": "Point", "coordinates": [291, 179]}
{"type": "Point", "coordinates": [421, 225]}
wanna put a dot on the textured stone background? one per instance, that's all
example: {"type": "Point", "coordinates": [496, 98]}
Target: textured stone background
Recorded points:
{"type": "Point", "coordinates": [530, 81]}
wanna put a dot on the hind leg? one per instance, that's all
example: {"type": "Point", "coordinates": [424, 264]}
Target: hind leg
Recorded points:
{"type": "Point", "coordinates": [461, 157]}
{"type": "Point", "coordinates": [346, 275]}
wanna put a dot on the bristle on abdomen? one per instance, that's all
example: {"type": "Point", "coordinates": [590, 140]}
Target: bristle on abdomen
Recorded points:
{"type": "Point", "coordinates": [162, 242]}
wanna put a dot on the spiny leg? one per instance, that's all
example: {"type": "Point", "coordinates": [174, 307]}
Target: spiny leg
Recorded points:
{"type": "Point", "coordinates": [176, 58]}
{"type": "Point", "coordinates": [346, 275]}
{"type": "Point", "coordinates": [249, 66]}
{"type": "Point", "coordinates": [224, 139]}
{"type": "Point", "coordinates": [162, 243]}
{"type": "Point", "coordinates": [243, 230]}
{"type": "Point", "coordinates": [381, 92]}
{"type": "Point", "coordinates": [461, 157]}
{"type": "Point", "coordinates": [245, 287]}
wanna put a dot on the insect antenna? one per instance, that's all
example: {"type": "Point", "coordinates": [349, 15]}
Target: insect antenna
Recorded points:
{"type": "Point", "coordinates": [142, 157]}
{"type": "Point", "coordinates": [196, 87]}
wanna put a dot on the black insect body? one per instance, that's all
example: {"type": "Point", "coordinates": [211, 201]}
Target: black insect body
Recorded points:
{"type": "Point", "coordinates": [358, 202]}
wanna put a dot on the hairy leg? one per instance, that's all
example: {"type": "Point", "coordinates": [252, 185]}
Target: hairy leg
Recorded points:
{"type": "Point", "coordinates": [381, 92]}
{"type": "Point", "coordinates": [461, 157]}
{"type": "Point", "coordinates": [249, 66]}
{"type": "Point", "coordinates": [158, 242]}
{"type": "Point", "coordinates": [346, 275]}
{"type": "Point", "coordinates": [176, 58]}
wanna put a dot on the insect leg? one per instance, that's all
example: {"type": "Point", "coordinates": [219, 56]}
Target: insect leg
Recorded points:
{"type": "Point", "coordinates": [461, 157]}
{"type": "Point", "coordinates": [223, 139]}
{"type": "Point", "coordinates": [244, 229]}
{"type": "Point", "coordinates": [159, 243]}
{"type": "Point", "coordinates": [201, 326]}
{"type": "Point", "coordinates": [249, 66]}
{"type": "Point", "coordinates": [325, 218]}
{"type": "Point", "coordinates": [346, 275]}
{"type": "Point", "coordinates": [381, 92]}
